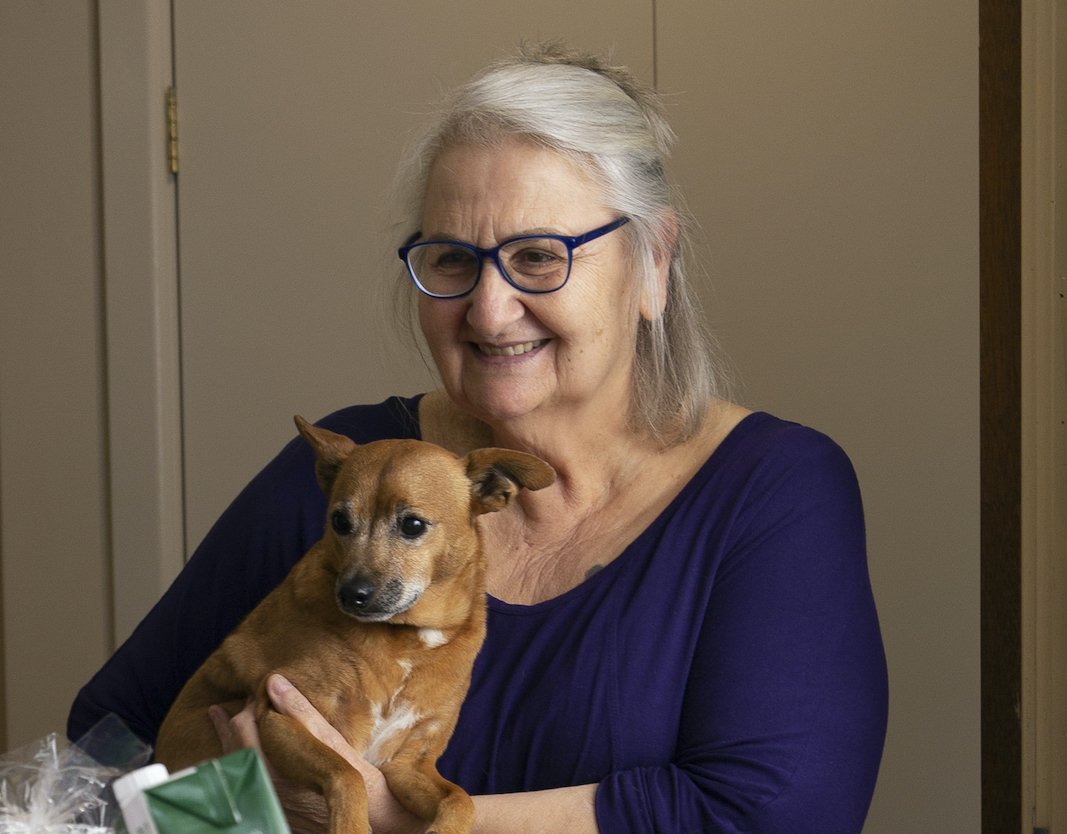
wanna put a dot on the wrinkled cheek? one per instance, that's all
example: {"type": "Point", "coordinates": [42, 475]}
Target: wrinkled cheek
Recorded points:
{"type": "Point", "coordinates": [436, 330]}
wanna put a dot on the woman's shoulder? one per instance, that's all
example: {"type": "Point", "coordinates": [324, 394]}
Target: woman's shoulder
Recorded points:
{"type": "Point", "coordinates": [760, 435]}
{"type": "Point", "coordinates": [764, 455]}
{"type": "Point", "coordinates": [737, 439]}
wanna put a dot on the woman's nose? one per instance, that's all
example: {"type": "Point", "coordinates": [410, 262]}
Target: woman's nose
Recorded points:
{"type": "Point", "coordinates": [494, 303]}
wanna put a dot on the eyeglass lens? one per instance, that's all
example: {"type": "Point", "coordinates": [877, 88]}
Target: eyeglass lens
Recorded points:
{"type": "Point", "coordinates": [534, 264]}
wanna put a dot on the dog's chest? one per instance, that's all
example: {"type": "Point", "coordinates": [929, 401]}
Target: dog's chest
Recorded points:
{"type": "Point", "coordinates": [391, 723]}
{"type": "Point", "coordinates": [391, 719]}
{"type": "Point", "coordinates": [397, 697]}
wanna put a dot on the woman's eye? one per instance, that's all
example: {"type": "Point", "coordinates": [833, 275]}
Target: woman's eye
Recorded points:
{"type": "Point", "coordinates": [535, 260]}
{"type": "Point", "coordinates": [411, 526]}
{"type": "Point", "coordinates": [454, 260]}
{"type": "Point", "coordinates": [536, 256]}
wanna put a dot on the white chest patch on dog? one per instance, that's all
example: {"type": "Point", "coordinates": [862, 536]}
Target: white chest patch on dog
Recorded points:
{"type": "Point", "coordinates": [402, 716]}
{"type": "Point", "coordinates": [432, 637]}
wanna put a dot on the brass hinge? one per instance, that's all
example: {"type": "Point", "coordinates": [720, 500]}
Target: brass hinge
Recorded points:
{"type": "Point", "coordinates": [172, 130]}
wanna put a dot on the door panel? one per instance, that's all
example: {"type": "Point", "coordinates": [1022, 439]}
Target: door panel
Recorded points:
{"type": "Point", "coordinates": [292, 117]}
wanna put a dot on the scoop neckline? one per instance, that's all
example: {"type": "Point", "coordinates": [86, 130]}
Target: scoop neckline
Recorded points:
{"type": "Point", "coordinates": [621, 562]}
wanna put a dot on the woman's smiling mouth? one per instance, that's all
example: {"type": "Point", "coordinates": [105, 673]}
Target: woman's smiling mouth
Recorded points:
{"type": "Point", "coordinates": [511, 350]}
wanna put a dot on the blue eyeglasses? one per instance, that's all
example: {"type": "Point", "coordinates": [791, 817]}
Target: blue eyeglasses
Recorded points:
{"type": "Point", "coordinates": [533, 263]}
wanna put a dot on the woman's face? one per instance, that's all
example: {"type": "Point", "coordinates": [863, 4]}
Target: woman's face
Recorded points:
{"type": "Point", "coordinates": [505, 354]}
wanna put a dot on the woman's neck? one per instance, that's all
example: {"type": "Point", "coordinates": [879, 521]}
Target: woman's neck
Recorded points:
{"type": "Point", "coordinates": [610, 487]}
{"type": "Point", "coordinates": [590, 457]}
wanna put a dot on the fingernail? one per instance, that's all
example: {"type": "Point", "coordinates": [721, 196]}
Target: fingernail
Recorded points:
{"type": "Point", "coordinates": [278, 685]}
{"type": "Point", "coordinates": [219, 717]}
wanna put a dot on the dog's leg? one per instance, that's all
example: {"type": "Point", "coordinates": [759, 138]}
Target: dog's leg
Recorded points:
{"type": "Point", "coordinates": [301, 757]}
{"type": "Point", "coordinates": [424, 792]}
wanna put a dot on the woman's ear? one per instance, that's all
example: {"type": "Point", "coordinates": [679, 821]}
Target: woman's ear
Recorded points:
{"type": "Point", "coordinates": [654, 296]}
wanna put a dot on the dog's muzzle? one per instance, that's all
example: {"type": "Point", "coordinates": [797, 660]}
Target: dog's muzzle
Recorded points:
{"type": "Point", "coordinates": [368, 599]}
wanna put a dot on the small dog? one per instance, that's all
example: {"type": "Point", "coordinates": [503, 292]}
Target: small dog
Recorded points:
{"type": "Point", "coordinates": [377, 625]}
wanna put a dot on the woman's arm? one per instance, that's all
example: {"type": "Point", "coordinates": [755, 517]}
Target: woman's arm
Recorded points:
{"type": "Point", "coordinates": [556, 811]}
{"type": "Point", "coordinates": [785, 703]}
{"type": "Point", "coordinates": [564, 810]}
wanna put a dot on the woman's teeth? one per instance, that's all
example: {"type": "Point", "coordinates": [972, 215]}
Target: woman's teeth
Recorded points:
{"type": "Point", "coordinates": [511, 350]}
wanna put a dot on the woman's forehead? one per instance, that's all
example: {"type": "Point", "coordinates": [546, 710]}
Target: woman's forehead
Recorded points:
{"type": "Point", "coordinates": [516, 187]}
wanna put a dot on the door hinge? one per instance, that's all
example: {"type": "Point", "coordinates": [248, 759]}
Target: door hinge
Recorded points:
{"type": "Point", "coordinates": [172, 130]}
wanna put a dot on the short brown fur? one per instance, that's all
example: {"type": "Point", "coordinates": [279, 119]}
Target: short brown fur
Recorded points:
{"type": "Point", "coordinates": [392, 670]}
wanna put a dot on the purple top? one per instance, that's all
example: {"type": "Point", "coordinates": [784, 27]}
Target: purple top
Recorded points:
{"type": "Point", "coordinates": [725, 673]}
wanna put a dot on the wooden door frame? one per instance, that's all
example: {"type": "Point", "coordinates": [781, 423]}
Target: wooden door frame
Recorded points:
{"type": "Point", "coordinates": [1044, 417]}
{"type": "Point", "coordinates": [143, 333]}
{"type": "Point", "coordinates": [1000, 254]}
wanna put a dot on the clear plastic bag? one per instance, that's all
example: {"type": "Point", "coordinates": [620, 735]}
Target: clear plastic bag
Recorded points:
{"type": "Point", "coordinates": [52, 787]}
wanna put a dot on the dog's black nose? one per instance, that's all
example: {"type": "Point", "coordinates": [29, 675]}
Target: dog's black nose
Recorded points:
{"type": "Point", "coordinates": [356, 594]}
{"type": "Point", "coordinates": [371, 598]}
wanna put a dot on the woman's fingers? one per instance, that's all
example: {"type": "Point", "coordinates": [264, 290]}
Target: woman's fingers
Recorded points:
{"type": "Point", "coordinates": [305, 810]}
{"type": "Point", "coordinates": [227, 734]}
{"type": "Point", "coordinates": [240, 731]}
{"type": "Point", "coordinates": [288, 700]}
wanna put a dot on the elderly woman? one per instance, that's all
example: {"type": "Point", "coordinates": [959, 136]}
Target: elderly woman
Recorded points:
{"type": "Point", "coordinates": [682, 635]}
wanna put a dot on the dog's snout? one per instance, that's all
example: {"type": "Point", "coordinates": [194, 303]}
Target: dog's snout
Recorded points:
{"type": "Point", "coordinates": [363, 597]}
{"type": "Point", "coordinates": [356, 594]}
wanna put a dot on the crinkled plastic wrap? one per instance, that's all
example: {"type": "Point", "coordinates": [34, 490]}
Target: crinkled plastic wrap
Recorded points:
{"type": "Point", "coordinates": [51, 787]}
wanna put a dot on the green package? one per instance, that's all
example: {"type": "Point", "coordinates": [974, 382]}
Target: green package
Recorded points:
{"type": "Point", "coordinates": [229, 795]}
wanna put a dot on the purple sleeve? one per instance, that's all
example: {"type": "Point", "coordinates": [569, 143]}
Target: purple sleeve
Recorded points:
{"type": "Point", "coordinates": [784, 713]}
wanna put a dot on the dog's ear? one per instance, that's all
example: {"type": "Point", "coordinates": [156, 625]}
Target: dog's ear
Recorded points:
{"type": "Point", "coordinates": [331, 449]}
{"type": "Point", "coordinates": [496, 476]}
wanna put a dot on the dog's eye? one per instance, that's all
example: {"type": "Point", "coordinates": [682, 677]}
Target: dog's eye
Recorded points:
{"type": "Point", "coordinates": [411, 526]}
{"type": "Point", "coordinates": [340, 522]}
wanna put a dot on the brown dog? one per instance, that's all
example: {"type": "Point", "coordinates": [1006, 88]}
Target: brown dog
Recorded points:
{"type": "Point", "coordinates": [378, 625]}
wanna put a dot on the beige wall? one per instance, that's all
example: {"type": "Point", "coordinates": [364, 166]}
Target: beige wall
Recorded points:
{"type": "Point", "coordinates": [53, 480]}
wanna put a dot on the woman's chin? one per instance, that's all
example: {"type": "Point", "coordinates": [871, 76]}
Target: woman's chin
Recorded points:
{"type": "Point", "coordinates": [500, 406]}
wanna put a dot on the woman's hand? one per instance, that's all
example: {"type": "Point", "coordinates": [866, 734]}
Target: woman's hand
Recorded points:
{"type": "Point", "coordinates": [305, 809]}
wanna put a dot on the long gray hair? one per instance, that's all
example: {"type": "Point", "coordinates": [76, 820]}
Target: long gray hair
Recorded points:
{"type": "Point", "coordinates": [613, 127]}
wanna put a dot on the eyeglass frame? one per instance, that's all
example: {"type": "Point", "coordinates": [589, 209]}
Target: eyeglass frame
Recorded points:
{"type": "Point", "coordinates": [571, 242]}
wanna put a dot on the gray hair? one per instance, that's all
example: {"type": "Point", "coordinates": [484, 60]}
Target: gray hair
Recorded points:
{"type": "Point", "coordinates": [613, 127]}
